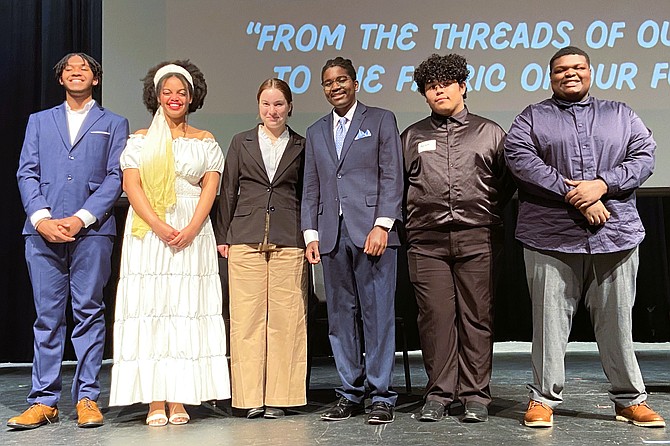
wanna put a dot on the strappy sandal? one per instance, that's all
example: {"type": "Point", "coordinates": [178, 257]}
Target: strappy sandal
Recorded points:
{"type": "Point", "coordinates": [157, 419]}
{"type": "Point", "coordinates": [178, 418]}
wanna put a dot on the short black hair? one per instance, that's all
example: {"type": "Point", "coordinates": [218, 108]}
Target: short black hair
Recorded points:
{"type": "Point", "coordinates": [340, 62]}
{"type": "Point", "coordinates": [197, 92]}
{"type": "Point", "coordinates": [566, 51]}
{"type": "Point", "coordinates": [449, 68]}
{"type": "Point", "coordinates": [95, 66]}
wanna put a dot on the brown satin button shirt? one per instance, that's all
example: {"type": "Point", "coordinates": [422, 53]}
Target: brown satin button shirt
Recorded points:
{"type": "Point", "coordinates": [455, 173]}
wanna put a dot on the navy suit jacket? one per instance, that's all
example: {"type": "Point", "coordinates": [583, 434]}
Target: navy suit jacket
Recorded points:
{"type": "Point", "coordinates": [367, 179]}
{"type": "Point", "coordinates": [64, 177]}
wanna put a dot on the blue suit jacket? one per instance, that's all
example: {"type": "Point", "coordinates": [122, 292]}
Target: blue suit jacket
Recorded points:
{"type": "Point", "coordinates": [64, 178]}
{"type": "Point", "coordinates": [367, 179]}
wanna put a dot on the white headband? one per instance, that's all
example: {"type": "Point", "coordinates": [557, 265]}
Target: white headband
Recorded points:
{"type": "Point", "coordinates": [172, 68]}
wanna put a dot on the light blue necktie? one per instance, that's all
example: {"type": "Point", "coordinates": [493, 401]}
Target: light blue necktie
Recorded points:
{"type": "Point", "coordinates": [340, 133]}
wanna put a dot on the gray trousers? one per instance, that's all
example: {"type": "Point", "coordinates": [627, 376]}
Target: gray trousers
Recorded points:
{"type": "Point", "coordinates": [557, 281]}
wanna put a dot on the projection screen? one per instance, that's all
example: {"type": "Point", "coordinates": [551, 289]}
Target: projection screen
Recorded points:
{"type": "Point", "coordinates": [238, 44]}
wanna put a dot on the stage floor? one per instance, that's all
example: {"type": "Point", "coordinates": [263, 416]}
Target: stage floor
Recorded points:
{"type": "Point", "coordinates": [585, 418]}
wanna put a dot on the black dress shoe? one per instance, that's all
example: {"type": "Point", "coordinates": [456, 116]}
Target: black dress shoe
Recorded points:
{"type": "Point", "coordinates": [475, 412]}
{"type": "Point", "coordinates": [381, 413]}
{"type": "Point", "coordinates": [273, 412]}
{"type": "Point", "coordinates": [432, 411]}
{"type": "Point", "coordinates": [343, 410]}
{"type": "Point", "coordinates": [255, 412]}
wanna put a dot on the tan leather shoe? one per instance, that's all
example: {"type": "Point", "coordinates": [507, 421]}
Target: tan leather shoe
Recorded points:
{"type": "Point", "coordinates": [538, 415]}
{"type": "Point", "coordinates": [35, 416]}
{"type": "Point", "coordinates": [640, 415]}
{"type": "Point", "coordinates": [88, 414]}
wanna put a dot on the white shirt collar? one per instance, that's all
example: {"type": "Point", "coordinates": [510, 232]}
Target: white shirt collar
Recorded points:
{"type": "Point", "coordinates": [84, 110]}
{"type": "Point", "coordinates": [349, 116]}
{"type": "Point", "coordinates": [75, 118]}
{"type": "Point", "coordinates": [262, 135]}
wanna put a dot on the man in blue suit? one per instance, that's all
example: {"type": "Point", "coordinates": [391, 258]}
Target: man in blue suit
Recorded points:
{"type": "Point", "coordinates": [69, 179]}
{"type": "Point", "coordinates": [352, 194]}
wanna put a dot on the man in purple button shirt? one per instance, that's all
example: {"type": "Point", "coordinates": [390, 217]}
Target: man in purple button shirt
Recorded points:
{"type": "Point", "coordinates": [578, 161]}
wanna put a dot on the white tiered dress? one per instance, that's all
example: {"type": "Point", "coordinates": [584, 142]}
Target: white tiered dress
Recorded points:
{"type": "Point", "coordinates": [169, 335]}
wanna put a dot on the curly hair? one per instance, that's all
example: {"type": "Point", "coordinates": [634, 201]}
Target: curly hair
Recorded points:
{"type": "Point", "coordinates": [94, 65]}
{"type": "Point", "coordinates": [340, 62]}
{"type": "Point", "coordinates": [197, 93]}
{"type": "Point", "coordinates": [449, 68]}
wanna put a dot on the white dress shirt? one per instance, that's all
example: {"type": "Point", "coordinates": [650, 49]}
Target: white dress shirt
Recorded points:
{"type": "Point", "coordinates": [272, 151]}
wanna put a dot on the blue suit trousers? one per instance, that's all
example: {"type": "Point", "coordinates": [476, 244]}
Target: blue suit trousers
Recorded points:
{"type": "Point", "coordinates": [78, 270]}
{"type": "Point", "coordinates": [360, 294]}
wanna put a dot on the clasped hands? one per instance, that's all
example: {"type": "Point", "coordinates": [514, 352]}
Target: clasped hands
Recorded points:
{"type": "Point", "coordinates": [585, 196]}
{"type": "Point", "coordinates": [172, 237]}
{"type": "Point", "coordinates": [61, 230]}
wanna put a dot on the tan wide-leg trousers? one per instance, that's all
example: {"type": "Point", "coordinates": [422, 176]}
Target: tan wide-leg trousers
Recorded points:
{"type": "Point", "coordinates": [268, 326]}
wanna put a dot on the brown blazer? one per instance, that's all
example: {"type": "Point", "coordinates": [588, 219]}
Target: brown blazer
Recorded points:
{"type": "Point", "coordinates": [248, 196]}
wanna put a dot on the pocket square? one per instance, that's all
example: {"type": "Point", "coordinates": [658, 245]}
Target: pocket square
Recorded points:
{"type": "Point", "coordinates": [362, 134]}
{"type": "Point", "coordinates": [99, 132]}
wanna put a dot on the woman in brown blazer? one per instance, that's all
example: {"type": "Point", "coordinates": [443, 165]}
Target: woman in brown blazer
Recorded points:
{"type": "Point", "coordinates": [258, 230]}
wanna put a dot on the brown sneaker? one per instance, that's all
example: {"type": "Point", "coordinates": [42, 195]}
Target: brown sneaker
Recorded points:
{"type": "Point", "coordinates": [35, 416]}
{"type": "Point", "coordinates": [538, 415]}
{"type": "Point", "coordinates": [640, 415]}
{"type": "Point", "coordinates": [88, 414]}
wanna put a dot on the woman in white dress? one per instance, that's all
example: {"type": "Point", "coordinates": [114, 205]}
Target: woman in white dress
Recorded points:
{"type": "Point", "coordinates": [169, 336]}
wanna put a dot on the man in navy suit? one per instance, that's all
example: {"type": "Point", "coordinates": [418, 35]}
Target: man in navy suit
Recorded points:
{"type": "Point", "coordinates": [69, 179]}
{"type": "Point", "coordinates": [352, 194]}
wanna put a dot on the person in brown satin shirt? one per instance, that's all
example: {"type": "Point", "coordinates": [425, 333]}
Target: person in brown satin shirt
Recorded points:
{"type": "Point", "coordinates": [456, 186]}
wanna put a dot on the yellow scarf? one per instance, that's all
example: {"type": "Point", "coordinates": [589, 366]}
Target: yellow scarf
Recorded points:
{"type": "Point", "coordinates": [157, 172]}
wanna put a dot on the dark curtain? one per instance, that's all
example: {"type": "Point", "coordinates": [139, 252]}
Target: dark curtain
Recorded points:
{"type": "Point", "coordinates": [651, 314]}
{"type": "Point", "coordinates": [36, 34]}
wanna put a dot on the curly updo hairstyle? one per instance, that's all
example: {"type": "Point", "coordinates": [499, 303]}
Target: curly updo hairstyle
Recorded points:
{"type": "Point", "coordinates": [197, 93]}
{"type": "Point", "coordinates": [443, 69]}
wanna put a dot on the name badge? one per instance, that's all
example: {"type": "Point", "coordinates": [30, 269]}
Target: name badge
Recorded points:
{"type": "Point", "coordinates": [427, 145]}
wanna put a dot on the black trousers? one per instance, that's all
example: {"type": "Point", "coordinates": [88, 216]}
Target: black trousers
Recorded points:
{"type": "Point", "coordinates": [452, 272]}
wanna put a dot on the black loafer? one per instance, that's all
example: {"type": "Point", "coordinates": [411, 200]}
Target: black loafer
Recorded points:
{"type": "Point", "coordinates": [432, 411]}
{"type": "Point", "coordinates": [255, 412]}
{"type": "Point", "coordinates": [343, 410]}
{"type": "Point", "coordinates": [475, 412]}
{"type": "Point", "coordinates": [381, 413]}
{"type": "Point", "coordinates": [273, 412]}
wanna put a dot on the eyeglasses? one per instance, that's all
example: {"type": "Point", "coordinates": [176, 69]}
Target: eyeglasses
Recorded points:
{"type": "Point", "coordinates": [341, 81]}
